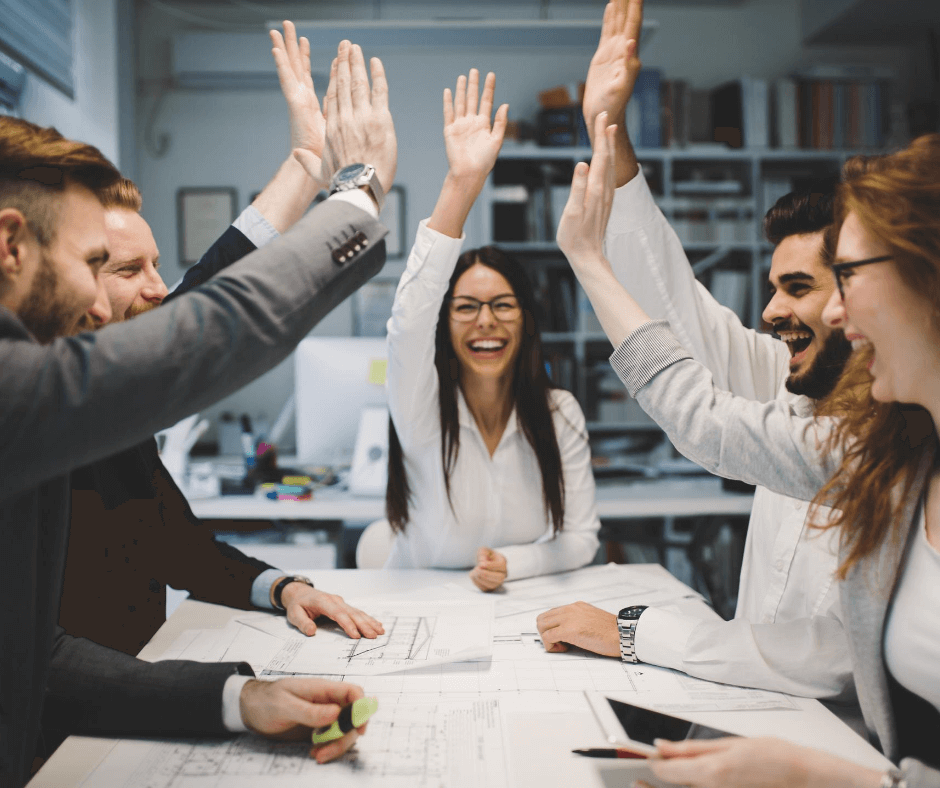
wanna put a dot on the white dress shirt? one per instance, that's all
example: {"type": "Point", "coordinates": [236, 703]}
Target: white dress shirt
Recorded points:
{"type": "Point", "coordinates": [912, 630]}
{"type": "Point", "coordinates": [497, 501]}
{"type": "Point", "coordinates": [787, 633]}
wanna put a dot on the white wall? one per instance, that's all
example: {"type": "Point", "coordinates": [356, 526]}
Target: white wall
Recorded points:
{"type": "Point", "coordinates": [92, 116]}
{"type": "Point", "coordinates": [239, 138]}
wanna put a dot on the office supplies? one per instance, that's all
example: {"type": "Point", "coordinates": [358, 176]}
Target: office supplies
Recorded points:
{"type": "Point", "coordinates": [248, 444]}
{"type": "Point", "coordinates": [609, 752]}
{"type": "Point", "coordinates": [335, 378]}
{"type": "Point", "coordinates": [352, 715]}
{"type": "Point", "coordinates": [637, 728]}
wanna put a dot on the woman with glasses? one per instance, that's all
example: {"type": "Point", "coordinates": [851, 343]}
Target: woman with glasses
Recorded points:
{"type": "Point", "coordinates": [489, 464]}
{"type": "Point", "coordinates": [871, 454]}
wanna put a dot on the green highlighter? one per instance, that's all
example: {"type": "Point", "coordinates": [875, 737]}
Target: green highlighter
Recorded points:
{"type": "Point", "coordinates": [350, 716]}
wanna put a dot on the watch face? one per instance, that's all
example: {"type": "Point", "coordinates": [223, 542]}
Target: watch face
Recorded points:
{"type": "Point", "coordinates": [631, 613]}
{"type": "Point", "coordinates": [350, 172]}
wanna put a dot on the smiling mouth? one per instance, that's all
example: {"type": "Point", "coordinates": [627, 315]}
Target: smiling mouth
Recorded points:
{"type": "Point", "coordinates": [796, 341]}
{"type": "Point", "coordinates": [486, 346]}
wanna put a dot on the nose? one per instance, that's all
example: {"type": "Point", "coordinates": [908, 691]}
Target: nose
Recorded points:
{"type": "Point", "coordinates": [777, 309]}
{"type": "Point", "coordinates": [487, 318]}
{"type": "Point", "coordinates": [834, 312]}
{"type": "Point", "coordinates": [100, 311]}
{"type": "Point", "coordinates": [155, 290]}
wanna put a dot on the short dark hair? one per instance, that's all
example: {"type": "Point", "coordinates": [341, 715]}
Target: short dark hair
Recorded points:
{"type": "Point", "coordinates": [800, 212]}
{"type": "Point", "coordinates": [37, 164]}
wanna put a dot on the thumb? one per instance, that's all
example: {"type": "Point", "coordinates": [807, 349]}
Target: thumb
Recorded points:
{"type": "Point", "coordinates": [300, 618]}
{"type": "Point", "coordinates": [484, 555]}
{"type": "Point", "coordinates": [308, 161]}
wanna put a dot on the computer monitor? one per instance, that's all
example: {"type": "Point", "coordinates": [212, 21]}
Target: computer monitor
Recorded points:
{"type": "Point", "coordinates": [334, 379]}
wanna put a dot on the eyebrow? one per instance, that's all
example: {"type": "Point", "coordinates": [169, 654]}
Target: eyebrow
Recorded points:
{"type": "Point", "coordinates": [501, 295]}
{"type": "Point", "coordinates": [97, 257]}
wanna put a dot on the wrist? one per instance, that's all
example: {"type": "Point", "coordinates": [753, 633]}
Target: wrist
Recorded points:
{"type": "Point", "coordinates": [466, 181]}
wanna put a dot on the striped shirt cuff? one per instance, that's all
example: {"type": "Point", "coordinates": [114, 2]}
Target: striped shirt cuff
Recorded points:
{"type": "Point", "coordinates": [646, 353]}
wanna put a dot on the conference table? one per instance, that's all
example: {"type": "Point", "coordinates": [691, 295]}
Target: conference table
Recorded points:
{"type": "Point", "coordinates": [536, 729]}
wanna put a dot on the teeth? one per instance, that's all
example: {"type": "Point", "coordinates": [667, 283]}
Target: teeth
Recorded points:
{"type": "Point", "coordinates": [793, 336]}
{"type": "Point", "coordinates": [487, 344]}
{"type": "Point", "coordinates": [858, 344]}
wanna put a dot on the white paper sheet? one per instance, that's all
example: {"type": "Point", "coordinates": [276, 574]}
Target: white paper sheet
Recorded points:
{"type": "Point", "coordinates": [457, 744]}
{"type": "Point", "coordinates": [417, 635]}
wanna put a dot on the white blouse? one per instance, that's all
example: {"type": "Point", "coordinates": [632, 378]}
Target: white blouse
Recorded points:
{"type": "Point", "coordinates": [497, 501]}
{"type": "Point", "coordinates": [912, 630]}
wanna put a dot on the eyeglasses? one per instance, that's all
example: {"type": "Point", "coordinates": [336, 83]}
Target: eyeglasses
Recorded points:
{"type": "Point", "coordinates": [465, 309]}
{"type": "Point", "coordinates": [839, 270]}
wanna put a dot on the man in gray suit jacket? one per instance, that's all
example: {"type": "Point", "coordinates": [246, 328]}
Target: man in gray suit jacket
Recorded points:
{"type": "Point", "coordinates": [69, 401]}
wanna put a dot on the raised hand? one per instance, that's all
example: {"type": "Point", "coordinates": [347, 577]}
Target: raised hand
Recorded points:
{"type": "Point", "coordinates": [471, 140]}
{"type": "Point", "coordinates": [584, 221]}
{"type": "Point", "coordinates": [306, 121]}
{"type": "Point", "coordinates": [359, 127]}
{"type": "Point", "coordinates": [615, 65]}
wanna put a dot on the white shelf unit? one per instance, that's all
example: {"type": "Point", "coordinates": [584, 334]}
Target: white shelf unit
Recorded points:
{"type": "Point", "coordinates": [537, 167]}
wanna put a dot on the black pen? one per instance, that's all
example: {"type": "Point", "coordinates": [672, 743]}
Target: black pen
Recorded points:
{"type": "Point", "coordinates": [609, 752]}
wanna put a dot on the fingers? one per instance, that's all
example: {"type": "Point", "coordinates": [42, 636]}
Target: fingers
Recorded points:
{"type": "Point", "coordinates": [607, 25]}
{"type": "Point", "coordinates": [360, 80]}
{"type": "Point", "coordinates": [379, 85]}
{"type": "Point", "coordinates": [499, 124]}
{"type": "Point", "coordinates": [682, 771]}
{"type": "Point", "coordinates": [344, 102]}
{"type": "Point", "coordinates": [292, 49]}
{"type": "Point", "coordinates": [691, 747]}
{"type": "Point", "coordinates": [484, 554]}
{"type": "Point", "coordinates": [579, 181]}
{"type": "Point", "coordinates": [486, 101]}
{"type": "Point", "coordinates": [368, 627]}
{"type": "Point", "coordinates": [307, 75]}
{"type": "Point", "coordinates": [324, 753]}
{"type": "Point", "coordinates": [473, 91]}
{"type": "Point", "coordinates": [634, 21]}
{"type": "Point", "coordinates": [460, 97]}
{"type": "Point", "coordinates": [298, 616]}
{"type": "Point", "coordinates": [322, 691]}
{"type": "Point", "coordinates": [448, 107]}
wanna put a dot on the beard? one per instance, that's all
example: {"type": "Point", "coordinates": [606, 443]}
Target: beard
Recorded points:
{"type": "Point", "coordinates": [47, 312]}
{"type": "Point", "coordinates": [138, 309]}
{"type": "Point", "coordinates": [821, 376]}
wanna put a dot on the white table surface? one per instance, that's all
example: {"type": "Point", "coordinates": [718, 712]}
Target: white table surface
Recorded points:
{"type": "Point", "coordinates": [659, 498]}
{"type": "Point", "coordinates": [539, 744]}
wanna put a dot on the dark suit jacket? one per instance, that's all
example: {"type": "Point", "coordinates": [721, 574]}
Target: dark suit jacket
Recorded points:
{"type": "Point", "coordinates": [133, 532]}
{"type": "Point", "coordinates": [79, 399]}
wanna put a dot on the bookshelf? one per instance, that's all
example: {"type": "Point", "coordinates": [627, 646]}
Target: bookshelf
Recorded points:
{"type": "Point", "coordinates": [714, 197]}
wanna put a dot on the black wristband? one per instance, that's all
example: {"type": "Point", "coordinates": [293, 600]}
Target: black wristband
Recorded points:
{"type": "Point", "coordinates": [283, 583]}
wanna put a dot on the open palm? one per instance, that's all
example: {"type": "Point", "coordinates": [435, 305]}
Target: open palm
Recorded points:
{"type": "Point", "coordinates": [615, 65]}
{"type": "Point", "coordinates": [471, 140]}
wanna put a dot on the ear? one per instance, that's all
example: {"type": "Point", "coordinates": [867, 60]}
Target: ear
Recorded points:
{"type": "Point", "coordinates": [14, 231]}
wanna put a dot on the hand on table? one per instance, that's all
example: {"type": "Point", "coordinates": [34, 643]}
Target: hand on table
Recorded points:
{"type": "Point", "coordinates": [303, 604]}
{"type": "Point", "coordinates": [490, 571]}
{"type": "Point", "coordinates": [359, 127]}
{"type": "Point", "coordinates": [581, 625]}
{"type": "Point", "coordinates": [755, 763]}
{"type": "Point", "coordinates": [291, 708]}
{"type": "Point", "coordinates": [305, 120]}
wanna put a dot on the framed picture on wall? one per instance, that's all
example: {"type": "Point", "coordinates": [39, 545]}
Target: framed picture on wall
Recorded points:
{"type": "Point", "coordinates": [393, 216]}
{"type": "Point", "coordinates": [202, 215]}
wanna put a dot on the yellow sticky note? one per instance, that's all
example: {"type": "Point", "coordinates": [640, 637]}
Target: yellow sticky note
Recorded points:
{"type": "Point", "coordinates": [378, 368]}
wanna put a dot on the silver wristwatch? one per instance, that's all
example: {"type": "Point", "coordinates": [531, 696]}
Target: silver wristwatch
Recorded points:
{"type": "Point", "coordinates": [626, 623]}
{"type": "Point", "coordinates": [355, 175]}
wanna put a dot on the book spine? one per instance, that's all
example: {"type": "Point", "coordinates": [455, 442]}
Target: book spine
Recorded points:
{"type": "Point", "coordinates": [647, 93]}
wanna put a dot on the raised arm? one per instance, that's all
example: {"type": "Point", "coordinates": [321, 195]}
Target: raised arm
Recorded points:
{"type": "Point", "coordinates": [472, 142]}
{"type": "Point", "coordinates": [644, 251]}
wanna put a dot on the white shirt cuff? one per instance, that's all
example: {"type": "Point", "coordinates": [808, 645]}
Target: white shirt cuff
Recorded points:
{"type": "Point", "coordinates": [252, 224]}
{"type": "Point", "coordinates": [633, 207]}
{"type": "Point", "coordinates": [231, 704]}
{"type": "Point", "coordinates": [661, 636]}
{"type": "Point", "coordinates": [358, 198]}
{"type": "Point", "coordinates": [261, 588]}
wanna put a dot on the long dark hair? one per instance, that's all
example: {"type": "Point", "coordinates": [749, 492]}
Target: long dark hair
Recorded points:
{"type": "Point", "coordinates": [531, 389]}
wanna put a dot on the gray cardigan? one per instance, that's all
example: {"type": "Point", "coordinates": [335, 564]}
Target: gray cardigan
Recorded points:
{"type": "Point", "coordinates": [771, 444]}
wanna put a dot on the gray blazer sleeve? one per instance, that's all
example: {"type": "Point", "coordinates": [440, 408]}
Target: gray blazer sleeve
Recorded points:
{"type": "Point", "coordinates": [765, 443]}
{"type": "Point", "coordinates": [93, 690]}
{"type": "Point", "coordinates": [78, 399]}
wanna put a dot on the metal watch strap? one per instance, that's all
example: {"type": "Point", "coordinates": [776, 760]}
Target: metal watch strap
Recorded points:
{"type": "Point", "coordinates": [283, 583]}
{"type": "Point", "coordinates": [627, 640]}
